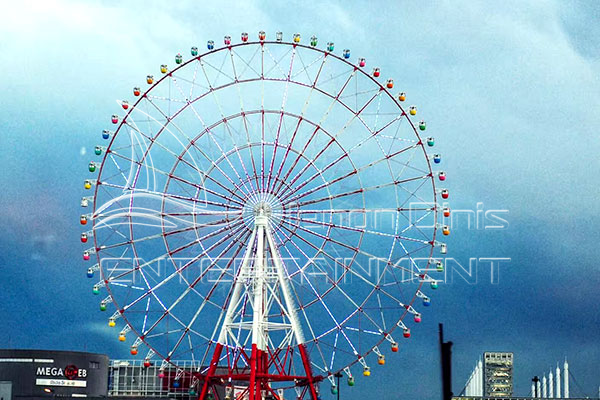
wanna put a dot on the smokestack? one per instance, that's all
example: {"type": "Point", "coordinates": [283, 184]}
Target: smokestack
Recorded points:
{"type": "Point", "coordinates": [550, 385]}
{"type": "Point", "coordinates": [566, 378]}
{"type": "Point", "coordinates": [544, 387]}
{"type": "Point", "coordinates": [557, 381]}
{"type": "Point", "coordinates": [446, 358]}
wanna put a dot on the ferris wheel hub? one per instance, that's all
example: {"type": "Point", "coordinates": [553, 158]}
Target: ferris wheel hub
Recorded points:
{"type": "Point", "coordinates": [263, 208]}
{"type": "Point", "coordinates": [265, 205]}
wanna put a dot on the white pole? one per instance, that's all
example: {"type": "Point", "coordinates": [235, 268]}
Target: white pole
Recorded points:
{"type": "Point", "coordinates": [477, 380]}
{"type": "Point", "coordinates": [284, 285]}
{"type": "Point", "coordinates": [480, 379]}
{"type": "Point", "coordinates": [532, 390]}
{"type": "Point", "coordinates": [237, 290]}
{"type": "Point", "coordinates": [566, 378]}
{"type": "Point", "coordinates": [469, 383]}
{"type": "Point", "coordinates": [550, 385]}
{"type": "Point", "coordinates": [544, 387]}
{"type": "Point", "coordinates": [259, 286]}
{"type": "Point", "coordinates": [557, 381]}
{"type": "Point", "coordinates": [538, 387]}
{"type": "Point", "coordinates": [475, 385]}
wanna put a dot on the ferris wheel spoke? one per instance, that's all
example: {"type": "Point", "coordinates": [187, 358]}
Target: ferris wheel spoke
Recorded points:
{"type": "Point", "coordinates": [283, 102]}
{"type": "Point", "coordinates": [211, 135]}
{"type": "Point", "coordinates": [324, 117]}
{"type": "Point", "coordinates": [333, 140]}
{"type": "Point", "coordinates": [412, 195]}
{"type": "Point", "coordinates": [204, 188]}
{"type": "Point", "coordinates": [349, 211]}
{"type": "Point", "coordinates": [296, 161]}
{"type": "Point", "coordinates": [169, 253]}
{"type": "Point", "coordinates": [205, 299]}
{"type": "Point", "coordinates": [207, 176]}
{"type": "Point", "coordinates": [226, 124]}
{"type": "Point", "coordinates": [355, 248]}
{"type": "Point", "coordinates": [192, 142]}
{"type": "Point", "coordinates": [179, 270]}
{"type": "Point", "coordinates": [193, 166]}
{"type": "Point", "coordinates": [247, 64]}
{"type": "Point", "coordinates": [277, 62]}
{"type": "Point", "coordinates": [316, 293]}
{"type": "Point", "coordinates": [336, 285]}
{"type": "Point", "coordinates": [312, 163]}
{"type": "Point", "coordinates": [300, 119]}
{"type": "Point", "coordinates": [165, 234]}
{"type": "Point", "coordinates": [210, 235]}
{"type": "Point", "coordinates": [219, 70]}
{"type": "Point", "coordinates": [254, 168]}
{"type": "Point", "coordinates": [353, 229]}
{"type": "Point", "coordinates": [336, 261]}
{"type": "Point", "coordinates": [172, 196]}
{"type": "Point", "coordinates": [319, 173]}
{"type": "Point", "coordinates": [355, 191]}
{"type": "Point", "coordinates": [285, 155]}
{"type": "Point", "coordinates": [185, 181]}
{"type": "Point", "coordinates": [348, 175]}
{"type": "Point", "coordinates": [305, 67]}
{"type": "Point", "coordinates": [241, 161]}
{"type": "Point", "coordinates": [245, 122]}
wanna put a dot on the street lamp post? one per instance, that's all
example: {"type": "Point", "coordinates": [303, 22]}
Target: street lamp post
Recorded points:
{"type": "Point", "coordinates": [338, 375]}
{"type": "Point", "coordinates": [536, 385]}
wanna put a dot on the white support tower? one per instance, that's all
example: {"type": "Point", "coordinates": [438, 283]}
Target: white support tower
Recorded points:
{"type": "Point", "coordinates": [263, 280]}
{"type": "Point", "coordinates": [566, 378]}
{"type": "Point", "coordinates": [544, 387]}
{"type": "Point", "coordinates": [479, 380]}
{"type": "Point", "coordinates": [551, 385]}
{"type": "Point", "coordinates": [557, 381]}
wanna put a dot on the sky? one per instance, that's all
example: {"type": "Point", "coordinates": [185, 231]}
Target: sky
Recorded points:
{"type": "Point", "coordinates": [511, 91]}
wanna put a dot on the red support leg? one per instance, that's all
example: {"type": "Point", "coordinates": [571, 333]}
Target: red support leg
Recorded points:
{"type": "Point", "coordinates": [260, 371]}
{"type": "Point", "coordinates": [256, 373]}
{"type": "Point", "coordinates": [252, 383]}
{"type": "Point", "coordinates": [308, 370]}
{"type": "Point", "coordinates": [211, 370]}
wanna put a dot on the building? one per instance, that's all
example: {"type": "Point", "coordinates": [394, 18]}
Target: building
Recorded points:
{"type": "Point", "coordinates": [35, 374]}
{"type": "Point", "coordinates": [497, 374]}
{"type": "Point", "coordinates": [492, 376]}
{"type": "Point", "coordinates": [141, 378]}
{"type": "Point", "coordinates": [49, 374]}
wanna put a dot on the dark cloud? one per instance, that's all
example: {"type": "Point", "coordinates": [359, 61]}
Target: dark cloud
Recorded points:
{"type": "Point", "coordinates": [581, 23]}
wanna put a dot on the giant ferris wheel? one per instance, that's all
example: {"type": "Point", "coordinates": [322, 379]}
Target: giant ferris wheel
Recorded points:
{"type": "Point", "coordinates": [269, 210]}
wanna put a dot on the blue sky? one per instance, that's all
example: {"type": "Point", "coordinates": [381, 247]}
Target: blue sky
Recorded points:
{"type": "Point", "coordinates": [512, 92]}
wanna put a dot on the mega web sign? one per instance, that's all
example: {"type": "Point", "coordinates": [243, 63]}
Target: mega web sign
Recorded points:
{"type": "Point", "coordinates": [69, 376]}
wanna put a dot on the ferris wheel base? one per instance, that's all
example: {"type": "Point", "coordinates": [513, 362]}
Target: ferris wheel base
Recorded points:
{"type": "Point", "coordinates": [263, 367]}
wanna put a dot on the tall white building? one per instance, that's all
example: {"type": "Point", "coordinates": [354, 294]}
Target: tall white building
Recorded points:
{"type": "Point", "coordinates": [497, 374]}
{"type": "Point", "coordinates": [492, 376]}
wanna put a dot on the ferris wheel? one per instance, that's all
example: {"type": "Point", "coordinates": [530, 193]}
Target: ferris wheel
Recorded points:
{"type": "Point", "coordinates": [268, 210]}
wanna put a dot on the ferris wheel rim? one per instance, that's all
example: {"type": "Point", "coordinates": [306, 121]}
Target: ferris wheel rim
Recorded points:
{"type": "Point", "coordinates": [262, 43]}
